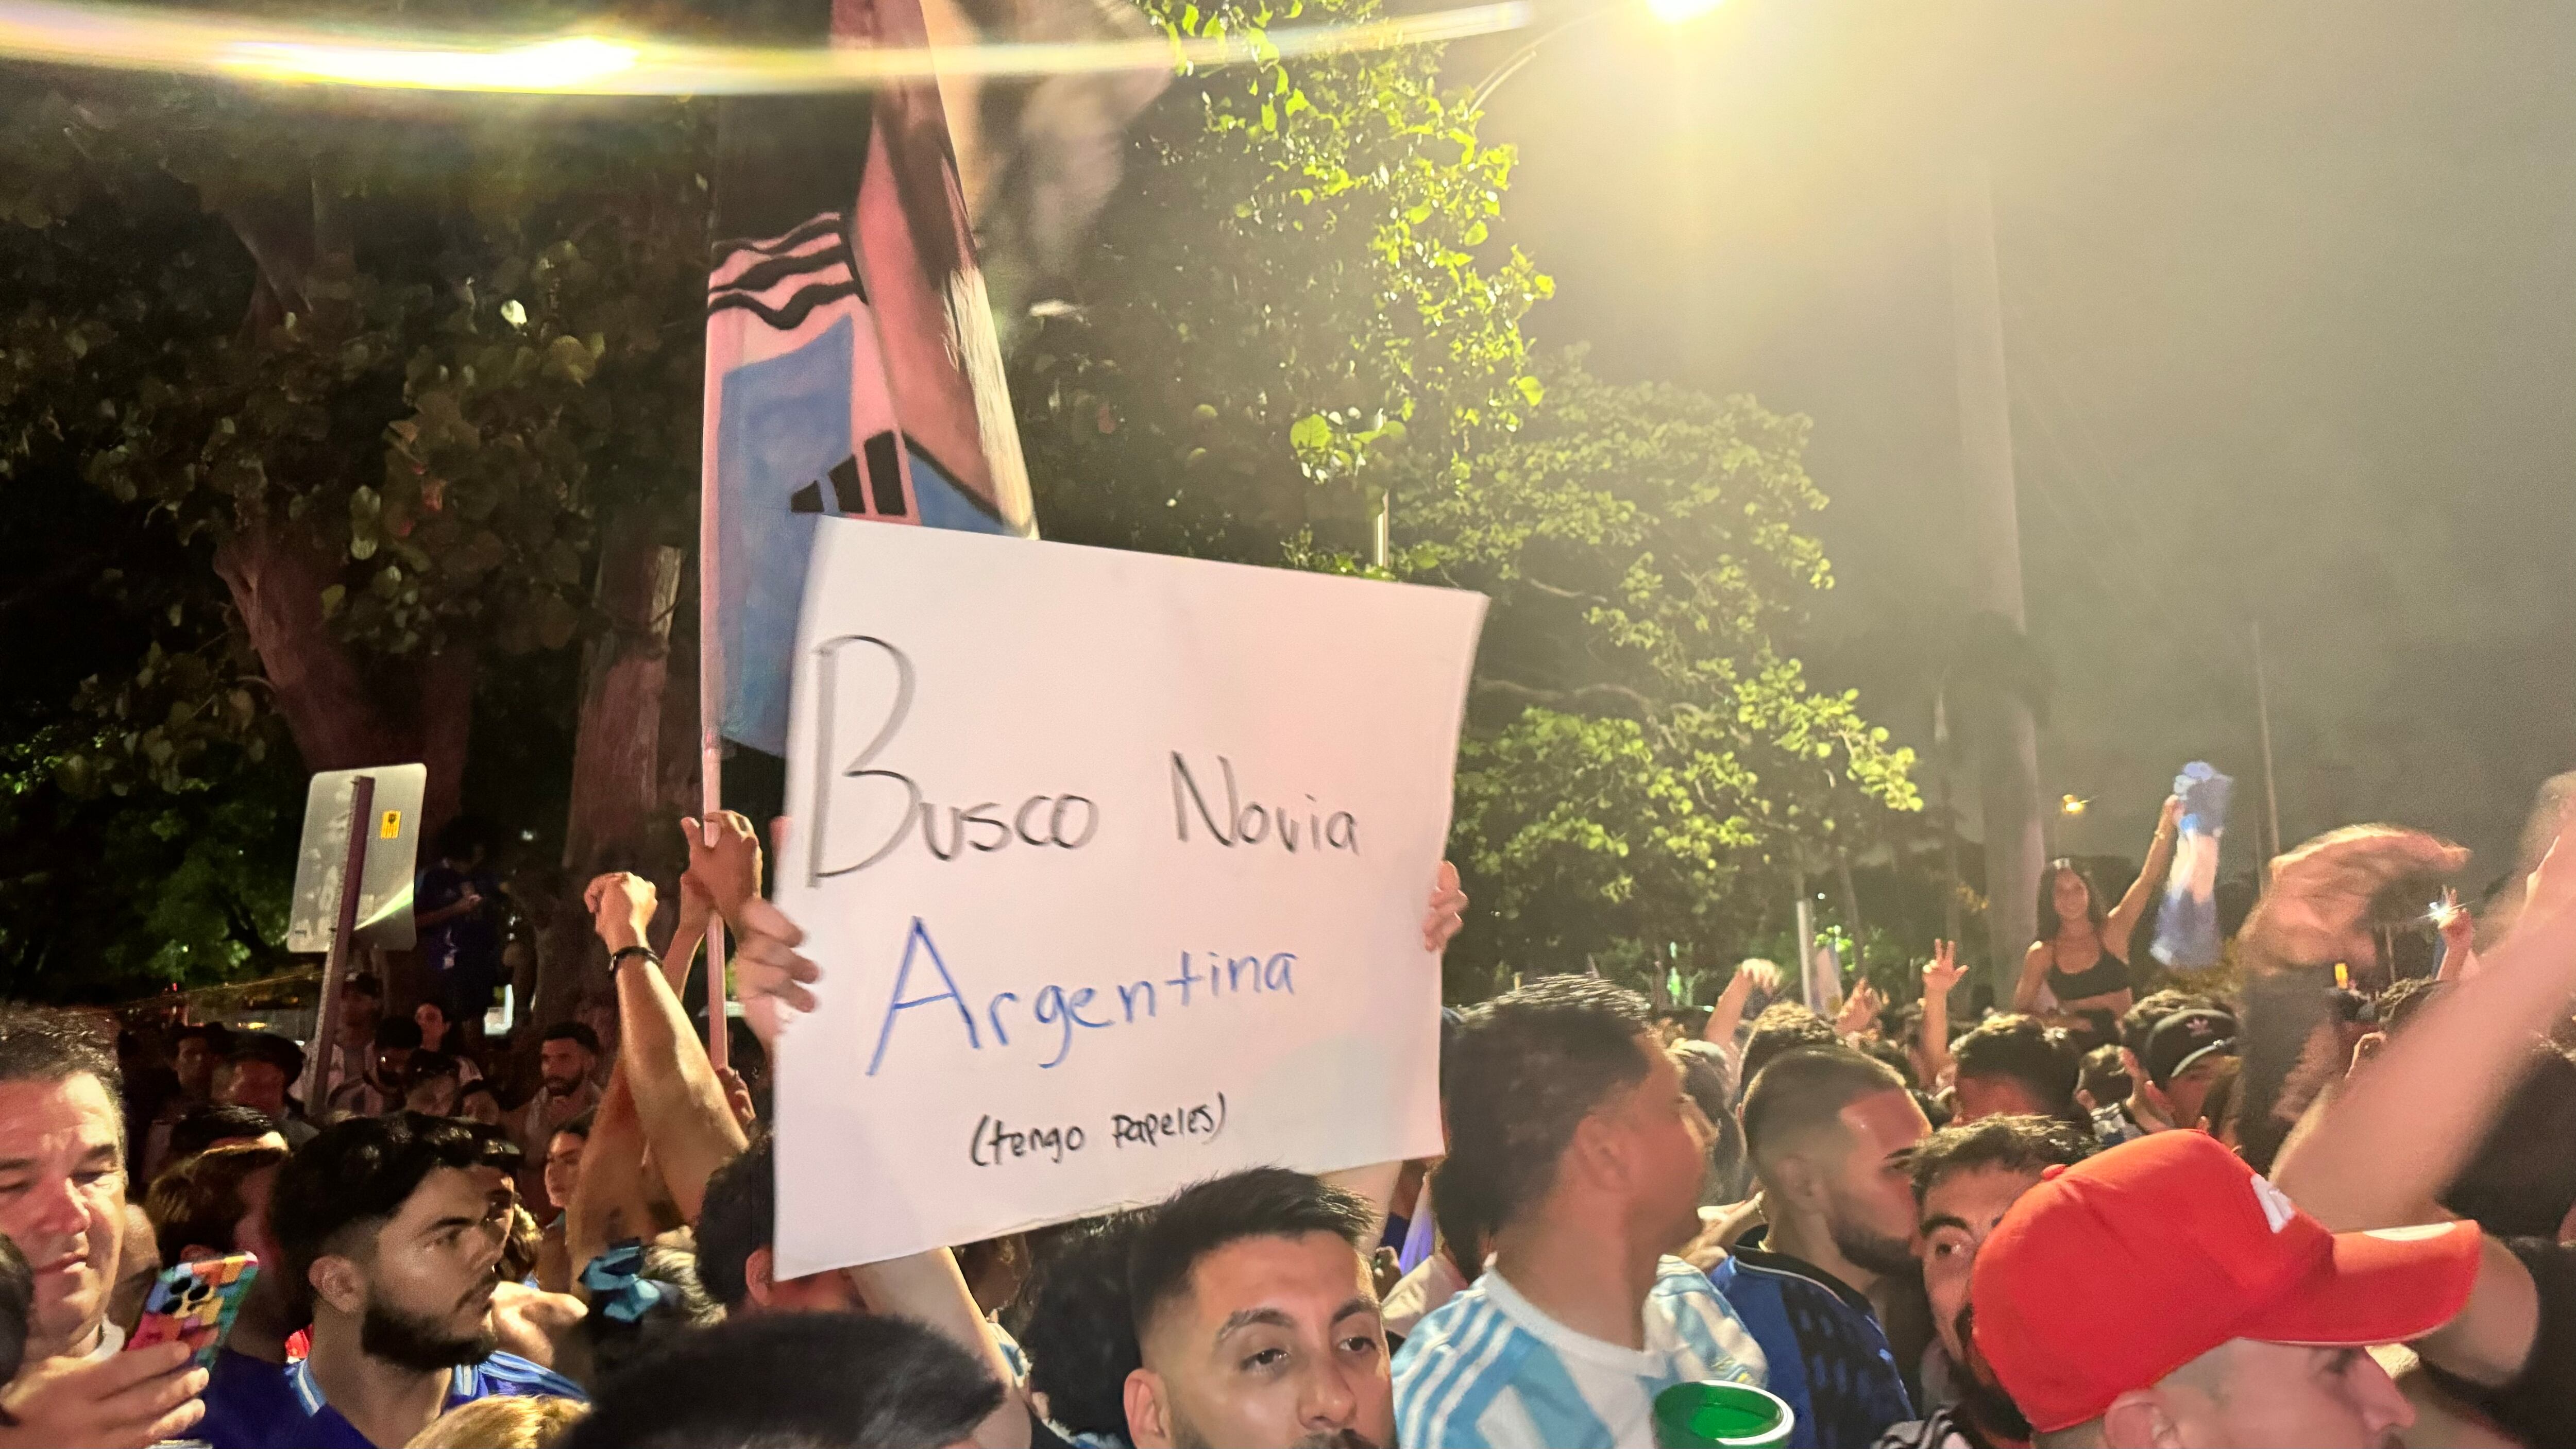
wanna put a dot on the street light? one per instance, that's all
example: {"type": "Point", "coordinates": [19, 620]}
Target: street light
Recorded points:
{"type": "Point", "coordinates": [1671, 12]}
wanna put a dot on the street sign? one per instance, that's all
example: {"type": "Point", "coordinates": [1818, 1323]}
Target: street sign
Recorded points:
{"type": "Point", "coordinates": [384, 882]}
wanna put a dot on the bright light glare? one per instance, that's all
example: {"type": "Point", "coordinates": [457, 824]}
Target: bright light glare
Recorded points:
{"type": "Point", "coordinates": [2072, 805]}
{"type": "Point", "coordinates": [134, 37]}
{"type": "Point", "coordinates": [576, 62]}
{"type": "Point", "coordinates": [1677, 12]}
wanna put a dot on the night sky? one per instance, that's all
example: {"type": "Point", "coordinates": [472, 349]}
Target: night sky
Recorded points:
{"type": "Point", "coordinates": [2290, 311]}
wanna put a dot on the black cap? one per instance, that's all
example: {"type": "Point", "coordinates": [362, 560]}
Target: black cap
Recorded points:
{"type": "Point", "coordinates": [2184, 1038]}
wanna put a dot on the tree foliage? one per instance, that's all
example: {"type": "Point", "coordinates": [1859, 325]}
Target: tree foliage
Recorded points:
{"type": "Point", "coordinates": [362, 377]}
{"type": "Point", "coordinates": [1303, 311]}
{"type": "Point", "coordinates": [1644, 761]}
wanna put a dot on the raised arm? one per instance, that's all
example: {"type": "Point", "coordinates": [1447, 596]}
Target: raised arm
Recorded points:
{"type": "Point", "coordinates": [1941, 976]}
{"type": "Point", "coordinates": [927, 1288]}
{"type": "Point", "coordinates": [1727, 1017]}
{"type": "Point", "coordinates": [678, 1098]}
{"type": "Point", "coordinates": [2123, 920]}
{"type": "Point", "coordinates": [2034, 975]}
{"type": "Point", "coordinates": [2404, 1125]}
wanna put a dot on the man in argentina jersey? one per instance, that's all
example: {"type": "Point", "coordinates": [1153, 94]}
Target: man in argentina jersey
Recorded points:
{"type": "Point", "coordinates": [1570, 1126]}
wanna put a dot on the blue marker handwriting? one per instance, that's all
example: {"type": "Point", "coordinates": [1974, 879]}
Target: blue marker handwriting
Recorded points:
{"type": "Point", "coordinates": [1050, 1018]}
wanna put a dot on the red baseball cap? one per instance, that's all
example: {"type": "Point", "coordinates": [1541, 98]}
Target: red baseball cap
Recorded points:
{"type": "Point", "coordinates": [2115, 1272]}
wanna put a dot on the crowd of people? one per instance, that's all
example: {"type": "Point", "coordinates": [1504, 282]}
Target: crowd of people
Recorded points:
{"type": "Point", "coordinates": [2263, 1208]}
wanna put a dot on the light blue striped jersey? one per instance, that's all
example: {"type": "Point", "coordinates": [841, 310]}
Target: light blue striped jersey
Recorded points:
{"type": "Point", "coordinates": [1489, 1371]}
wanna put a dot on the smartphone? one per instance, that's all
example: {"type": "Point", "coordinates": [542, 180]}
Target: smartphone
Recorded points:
{"type": "Point", "coordinates": [195, 1303]}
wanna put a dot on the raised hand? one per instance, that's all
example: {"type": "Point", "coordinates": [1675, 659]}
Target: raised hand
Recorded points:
{"type": "Point", "coordinates": [621, 907]}
{"type": "Point", "coordinates": [1859, 1016]}
{"type": "Point", "coordinates": [1943, 973]}
{"type": "Point", "coordinates": [766, 966]}
{"type": "Point", "coordinates": [2316, 912]}
{"type": "Point", "coordinates": [1448, 913]}
{"type": "Point", "coordinates": [729, 870]}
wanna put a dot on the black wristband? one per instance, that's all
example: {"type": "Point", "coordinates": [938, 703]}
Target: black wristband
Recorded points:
{"type": "Point", "coordinates": [618, 958]}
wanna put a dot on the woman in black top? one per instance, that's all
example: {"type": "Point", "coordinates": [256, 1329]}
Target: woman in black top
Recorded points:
{"type": "Point", "coordinates": [2082, 956]}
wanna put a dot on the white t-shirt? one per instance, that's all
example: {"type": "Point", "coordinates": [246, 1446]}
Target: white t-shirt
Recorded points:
{"type": "Point", "coordinates": [1490, 1371]}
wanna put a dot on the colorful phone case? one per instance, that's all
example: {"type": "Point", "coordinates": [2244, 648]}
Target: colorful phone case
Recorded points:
{"type": "Point", "coordinates": [195, 1304]}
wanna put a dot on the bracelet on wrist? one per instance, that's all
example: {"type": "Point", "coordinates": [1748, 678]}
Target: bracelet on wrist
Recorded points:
{"type": "Point", "coordinates": [618, 957]}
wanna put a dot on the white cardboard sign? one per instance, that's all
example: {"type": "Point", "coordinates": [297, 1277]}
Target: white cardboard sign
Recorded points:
{"type": "Point", "coordinates": [1115, 865]}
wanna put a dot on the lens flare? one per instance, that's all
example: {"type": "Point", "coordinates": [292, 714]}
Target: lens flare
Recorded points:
{"type": "Point", "coordinates": [122, 37]}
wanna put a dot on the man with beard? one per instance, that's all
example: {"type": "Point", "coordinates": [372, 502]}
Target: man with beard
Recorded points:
{"type": "Point", "coordinates": [566, 1056]}
{"type": "Point", "coordinates": [1570, 1122]}
{"type": "Point", "coordinates": [1829, 1132]}
{"type": "Point", "coordinates": [1966, 1178]}
{"type": "Point", "coordinates": [1256, 1319]}
{"type": "Point", "coordinates": [397, 1239]}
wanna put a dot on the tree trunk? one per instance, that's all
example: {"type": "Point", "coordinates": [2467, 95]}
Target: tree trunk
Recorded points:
{"type": "Point", "coordinates": [276, 580]}
{"type": "Point", "coordinates": [614, 821]}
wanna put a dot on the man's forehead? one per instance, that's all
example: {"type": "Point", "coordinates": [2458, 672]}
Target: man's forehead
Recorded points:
{"type": "Point", "coordinates": [77, 1104]}
{"type": "Point", "coordinates": [1973, 1194]}
{"type": "Point", "coordinates": [1309, 1276]}
{"type": "Point", "coordinates": [445, 1193]}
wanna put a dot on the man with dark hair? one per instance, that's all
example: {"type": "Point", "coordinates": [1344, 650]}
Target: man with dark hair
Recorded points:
{"type": "Point", "coordinates": [2184, 1056]}
{"type": "Point", "coordinates": [567, 1054]}
{"type": "Point", "coordinates": [1783, 1026]}
{"type": "Point", "coordinates": [1830, 1131]}
{"type": "Point", "coordinates": [1255, 1319]}
{"type": "Point", "coordinates": [379, 1089]}
{"type": "Point", "coordinates": [824, 1379]}
{"type": "Point", "coordinates": [2013, 1065]}
{"type": "Point", "coordinates": [196, 1055]}
{"type": "Point", "coordinates": [1080, 1333]}
{"type": "Point", "coordinates": [390, 1230]}
{"type": "Point", "coordinates": [262, 1067]}
{"type": "Point", "coordinates": [1570, 1123]}
{"type": "Point", "coordinates": [2147, 1109]}
{"type": "Point", "coordinates": [220, 1125]}
{"type": "Point", "coordinates": [63, 1204]}
{"type": "Point", "coordinates": [216, 1203]}
{"type": "Point", "coordinates": [737, 1234]}
{"type": "Point", "coordinates": [1966, 1179]}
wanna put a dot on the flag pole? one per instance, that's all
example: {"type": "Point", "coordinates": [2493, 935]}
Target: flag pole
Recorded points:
{"type": "Point", "coordinates": [711, 747]}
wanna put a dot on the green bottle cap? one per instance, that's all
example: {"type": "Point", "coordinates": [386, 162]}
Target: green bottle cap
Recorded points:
{"type": "Point", "coordinates": [1715, 1415]}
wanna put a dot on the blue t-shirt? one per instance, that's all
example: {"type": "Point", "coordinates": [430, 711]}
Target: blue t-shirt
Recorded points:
{"type": "Point", "coordinates": [254, 1404]}
{"type": "Point", "coordinates": [467, 943]}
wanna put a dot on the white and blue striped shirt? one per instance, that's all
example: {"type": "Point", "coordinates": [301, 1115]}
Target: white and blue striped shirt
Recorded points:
{"type": "Point", "coordinates": [1489, 1371]}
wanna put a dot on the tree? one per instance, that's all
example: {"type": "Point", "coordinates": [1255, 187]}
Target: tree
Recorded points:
{"type": "Point", "coordinates": [1645, 767]}
{"type": "Point", "coordinates": [385, 372]}
{"type": "Point", "coordinates": [1300, 314]}
{"type": "Point", "coordinates": [1296, 304]}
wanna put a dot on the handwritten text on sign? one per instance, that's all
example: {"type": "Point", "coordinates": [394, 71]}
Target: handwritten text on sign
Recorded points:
{"type": "Point", "coordinates": [1115, 865]}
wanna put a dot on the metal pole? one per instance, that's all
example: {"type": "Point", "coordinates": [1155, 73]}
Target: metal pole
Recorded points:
{"type": "Point", "coordinates": [326, 1016]}
{"type": "Point", "coordinates": [2263, 722]}
{"type": "Point", "coordinates": [711, 674]}
{"type": "Point", "coordinates": [712, 760]}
